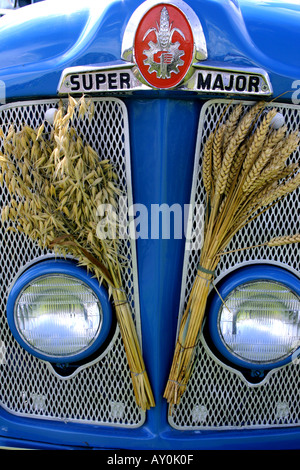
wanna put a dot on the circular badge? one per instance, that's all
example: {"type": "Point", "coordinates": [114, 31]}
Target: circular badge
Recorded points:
{"type": "Point", "coordinates": [164, 46]}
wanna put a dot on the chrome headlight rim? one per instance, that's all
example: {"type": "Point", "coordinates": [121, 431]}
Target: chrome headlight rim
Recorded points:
{"type": "Point", "coordinates": [65, 268]}
{"type": "Point", "coordinates": [246, 275]}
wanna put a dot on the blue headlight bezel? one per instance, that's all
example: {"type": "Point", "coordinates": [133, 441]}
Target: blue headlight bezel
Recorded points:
{"type": "Point", "coordinates": [261, 272]}
{"type": "Point", "coordinates": [68, 268]}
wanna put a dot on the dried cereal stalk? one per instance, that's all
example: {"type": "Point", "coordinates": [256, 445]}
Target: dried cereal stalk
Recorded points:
{"type": "Point", "coordinates": [231, 125]}
{"type": "Point", "coordinates": [238, 137]}
{"type": "Point", "coordinates": [207, 165]}
{"type": "Point", "coordinates": [253, 176]}
{"type": "Point", "coordinates": [258, 140]}
{"type": "Point", "coordinates": [217, 147]}
{"type": "Point", "coordinates": [286, 240]}
{"type": "Point", "coordinates": [276, 241]}
{"type": "Point", "coordinates": [57, 184]}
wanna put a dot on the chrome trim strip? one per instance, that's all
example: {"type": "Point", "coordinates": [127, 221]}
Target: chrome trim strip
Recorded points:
{"type": "Point", "coordinates": [110, 77]}
{"type": "Point", "coordinates": [205, 78]}
{"type": "Point", "coordinates": [222, 79]}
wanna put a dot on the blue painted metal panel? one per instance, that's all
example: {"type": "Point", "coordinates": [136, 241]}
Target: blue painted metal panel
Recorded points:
{"type": "Point", "coordinates": [274, 29]}
{"type": "Point", "coordinates": [35, 50]}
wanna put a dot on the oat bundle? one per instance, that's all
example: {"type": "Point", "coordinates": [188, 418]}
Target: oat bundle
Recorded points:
{"type": "Point", "coordinates": [244, 171]}
{"type": "Point", "coordinates": [56, 184]}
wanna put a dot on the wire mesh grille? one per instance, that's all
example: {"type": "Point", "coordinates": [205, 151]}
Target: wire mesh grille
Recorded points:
{"type": "Point", "coordinates": [218, 397]}
{"type": "Point", "coordinates": [100, 392]}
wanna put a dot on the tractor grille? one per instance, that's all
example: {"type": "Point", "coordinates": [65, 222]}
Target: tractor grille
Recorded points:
{"type": "Point", "coordinates": [100, 392]}
{"type": "Point", "coordinates": [217, 396]}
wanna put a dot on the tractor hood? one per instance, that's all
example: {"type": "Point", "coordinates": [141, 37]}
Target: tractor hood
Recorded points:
{"type": "Point", "coordinates": [40, 41]}
{"type": "Point", "coordinates": [187, 104]}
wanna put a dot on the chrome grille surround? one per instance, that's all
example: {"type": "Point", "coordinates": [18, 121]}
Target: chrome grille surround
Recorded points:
{"type": "Point", "coordinates": [101, 391]}
{"type": "Point", "coordinates": [218, 397]}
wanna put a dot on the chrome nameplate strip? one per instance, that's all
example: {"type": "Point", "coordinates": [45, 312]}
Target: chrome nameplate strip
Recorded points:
{"type": "Point", "coordinates": [205, 79]}
{"type": "Point", "coordinates": [241, 81]}
{"type": "Point", "coordinates": [114, 78]}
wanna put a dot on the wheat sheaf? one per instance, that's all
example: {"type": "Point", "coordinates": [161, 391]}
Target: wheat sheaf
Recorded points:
{"type": "Point", "coordinates": [245, 171]}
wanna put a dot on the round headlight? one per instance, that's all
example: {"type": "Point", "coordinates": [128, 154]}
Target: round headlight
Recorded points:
{"type": "Point", "coordinates": [58, 312]}
{"type": "Point", "coordinates": [257, 325]}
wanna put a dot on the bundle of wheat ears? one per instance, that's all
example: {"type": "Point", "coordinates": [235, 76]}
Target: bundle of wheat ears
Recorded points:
{"type": "Point", "coordinates": [56, 184]}
{"type": "Point", "coordinates": [244, 172]}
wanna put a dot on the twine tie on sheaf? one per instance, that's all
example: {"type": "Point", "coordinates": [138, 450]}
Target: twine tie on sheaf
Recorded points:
{"type": "Point", "coordinates": [117, 304]}
{"type": "Point", "coordinates": [136, 374]}
{"type": "Point", "coordinates": [209, 280]}
{"type": "Point", "coordinates": [211, 274]}
{"type": "Point", "coordinates": [182, 348]}
{"type": "Point", "coordinates": [205, 271]}
{"type": "Point", "coordinates": [122, 302]}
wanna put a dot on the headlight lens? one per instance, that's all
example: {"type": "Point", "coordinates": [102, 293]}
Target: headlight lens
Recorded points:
{"type": "Point", "coordinates": [258, 322]}
{"type": "Point", "coordinates": [58, 316]}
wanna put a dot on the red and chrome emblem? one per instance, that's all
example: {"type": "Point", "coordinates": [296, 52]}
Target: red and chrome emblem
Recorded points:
{"type": "Point", "coordinates": [164, 46]}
